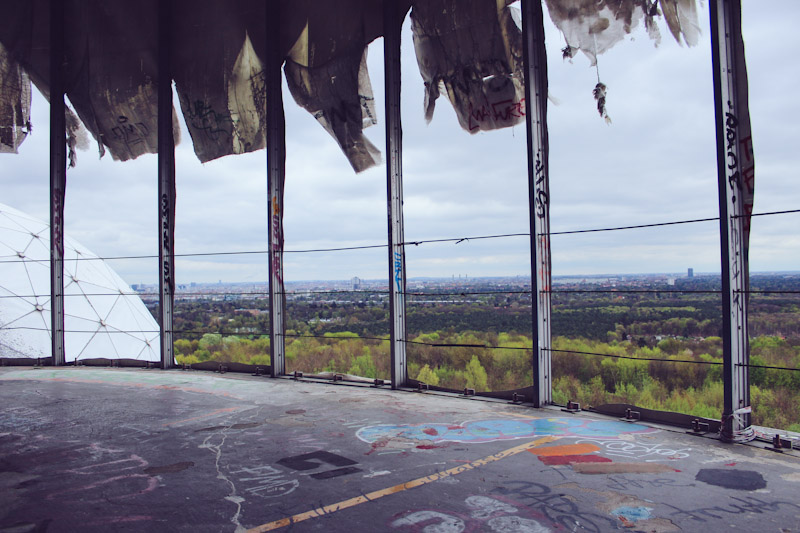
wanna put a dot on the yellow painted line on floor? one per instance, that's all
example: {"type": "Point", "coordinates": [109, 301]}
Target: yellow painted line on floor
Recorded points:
{"type": "Point", "coordinates": [352, 502]}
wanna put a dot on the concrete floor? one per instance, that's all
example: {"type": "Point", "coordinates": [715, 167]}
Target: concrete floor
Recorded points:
{"type": "Point", "coordinates": [145, 450]}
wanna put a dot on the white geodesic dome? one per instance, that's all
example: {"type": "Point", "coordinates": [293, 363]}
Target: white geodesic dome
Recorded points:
{"type": "Point", "coordinates": [103, 317]}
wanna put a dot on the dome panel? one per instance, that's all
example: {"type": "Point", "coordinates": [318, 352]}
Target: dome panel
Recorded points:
{"type": "Point", "coordinates": [104, 317]}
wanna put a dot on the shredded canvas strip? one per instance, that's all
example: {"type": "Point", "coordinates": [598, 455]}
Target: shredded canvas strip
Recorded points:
{"type": "Point", "coordinates": [595, 26]}
{"type": "Point", "coordinates": [219, 76]}
{"type": "Point", "coordinates": [471, 51]}
{"type": "Point", "coordinates": [326, 70]}
{"type": "Point", "coordinates": [110, 66]}
{"type": "Point", "coordinates": [15, 103]}
{"type": "Point", "coordinates": [339, 96]}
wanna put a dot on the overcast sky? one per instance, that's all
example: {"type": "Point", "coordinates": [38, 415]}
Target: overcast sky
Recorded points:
{"type": "Point", "coordinates": [655, 163]}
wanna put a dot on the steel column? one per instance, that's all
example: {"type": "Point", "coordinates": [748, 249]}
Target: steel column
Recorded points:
{"type": "Point", "coordinates": [58, 179]}
{"type": "Point", "coordinates": [392, 25]}
{"type": "Point", "coordinates": [276, 174]}
{"type": "Point", "coordinates": [539, 195]}
{"type": "Point", "coordinates": [725, 18]}
{"type": "Point", "coordinates": [166, 187]}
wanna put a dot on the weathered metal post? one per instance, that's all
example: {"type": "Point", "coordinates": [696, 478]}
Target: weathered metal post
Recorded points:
{"type": "Point", "coordinates": [734, 169]}
{"type": "Point", "coordinates": [392, 25]}
{"type": "Point", "coordinates": [58, 179]}
{"type": "Point", "coordinates": [539, 195]}
{"type": "Point", "coordinates": [166, 187]}
{"type": "Point", "coordinates": [276, 174]}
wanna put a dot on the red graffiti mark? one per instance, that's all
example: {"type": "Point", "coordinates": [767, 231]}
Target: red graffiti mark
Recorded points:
{"type": "Point", "coordinates": [430, 431]}
{"type": "Point", "coordinates": [377, 445]}
{"type": "Point", "coordinates": [431, 446]}
{"type": "Point", "coordinates": [501, 111]}
{"type": "Point", "coordinates": [556, 460]}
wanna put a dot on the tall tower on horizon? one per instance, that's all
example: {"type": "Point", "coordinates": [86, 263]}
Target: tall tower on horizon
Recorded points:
{"type": "Point", "coordinates": [690, 273]}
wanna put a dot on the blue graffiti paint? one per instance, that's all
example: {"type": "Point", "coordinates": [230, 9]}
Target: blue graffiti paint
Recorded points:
{"type": "Point", "coordinates": [632, 514]}
{"type": "Point", "coordinates": [398, 271]}
{"type": "Point", "coordinates": [503, 429]}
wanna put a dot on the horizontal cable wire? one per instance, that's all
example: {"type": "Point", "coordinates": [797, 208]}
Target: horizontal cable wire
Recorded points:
{"type": "Point", "coordinates": [307, 336]}
{"type": "Point", "coordinates": [437, 345]}
{"type": "Point", "coordinates": [634, 358]}
{"type": "Point", "coordinates": [415, 243]}
{"type": "Point", "coordinates": [457, 240]}
{"type": "Point", "coordinates": [457, 345]}
{"type": "Point", "coordinates": [126, 332]}
{"type": "Point", "coordinates": [769, 367]}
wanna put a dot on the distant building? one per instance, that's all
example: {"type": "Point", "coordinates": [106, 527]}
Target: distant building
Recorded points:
{"type": "Point", "coordinates": [356, 282]}
{"type": "Point", "coordinates": [690, 273]}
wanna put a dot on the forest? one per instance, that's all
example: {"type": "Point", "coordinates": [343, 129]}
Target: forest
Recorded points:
{"type": "Point", "coordinates": [654, 346]}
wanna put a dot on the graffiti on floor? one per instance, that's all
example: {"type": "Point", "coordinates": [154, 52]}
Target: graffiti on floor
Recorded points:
{"type": "Point", "coordinates": [630, 515]}
{"type": "Point", "coordinates": [630, 483]}
{"type": "Point", "coordinates": [327, 510]}
{"type": "Point", "coordinates": [583, 459]}
{"type": "Point", "coordinates": [623, 509]}
{"type": "Point", "coordinates": [433, 435]}
{"type": "Point", "coordinates": [556, 507]}
{"type": "Point", "coordinates": [484, 514]}
{"type": "Point", "coordinates": [738, 505]}
{"type": "Point", "coordinates": [105, 473]}
{"type": "Point", "coordinates": [641, 451]}
{"type": "Point", "coordinates": [264, 481]}
{"type": "Point", "coordinates": [318, 459]}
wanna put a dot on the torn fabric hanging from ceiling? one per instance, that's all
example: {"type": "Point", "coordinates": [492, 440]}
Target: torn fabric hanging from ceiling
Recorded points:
{"type": "Point", "coordinates": [326, 70]}
{"type": "Point", "coordinates": [15, 103]}
{"type": "Point", "coordinates": [595, 26]}
{"type": "Point", "coordinates": [473, 51]}
{"type": "Point", "coordinates": [218, 76]}
{"type": "Point", "coordinates": [112, 74]}
{"type": "Point", "coordinates": [110, 66]}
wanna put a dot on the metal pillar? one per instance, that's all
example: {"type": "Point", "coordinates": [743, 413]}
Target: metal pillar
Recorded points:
{"type": "Point", "coordinates": [392, 25]}
{"type": "Point", "coordinates": [58, 179]}
{"type": "Point", "coordinates": [276, 174]}
{"type": "Point", "coordinates": [730, 107]}
{"type": "Point", "coordinates": [539, 195]}
{"type": "Point", "coordinates": [166, 187]}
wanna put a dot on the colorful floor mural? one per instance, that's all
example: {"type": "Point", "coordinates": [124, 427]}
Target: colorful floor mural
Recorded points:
{"type": "Point", "coordinates": [498, 430]}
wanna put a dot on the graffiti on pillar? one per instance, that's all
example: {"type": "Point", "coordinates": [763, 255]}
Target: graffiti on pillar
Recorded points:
{"type": "Point", "coordinates": [735, 184]}
{"type": "Point", "coordinates": [540, 177]}
{"type": "Point", "coordinates": [277, 240]}
{"type": "Point", "coordinates": [398, 271]}
{"type": "Point", "coordinates": [166, 241]}
{"type": "Point", "coordinates": [58, 220]}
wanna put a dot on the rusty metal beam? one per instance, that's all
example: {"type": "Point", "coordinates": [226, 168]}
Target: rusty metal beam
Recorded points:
{"type": "Point", "coordinates": [276, 175]}
{"type": "Point", "coordinates": [58, 179]}
{"type": "Point", "coordinates": [539, 195]}
{"type": "Point", "coordinates": [166, 188]}
{"type": "Point", "coordinates": [729, 73]}
{"type": "Point", "coordinates": [392, 25]}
